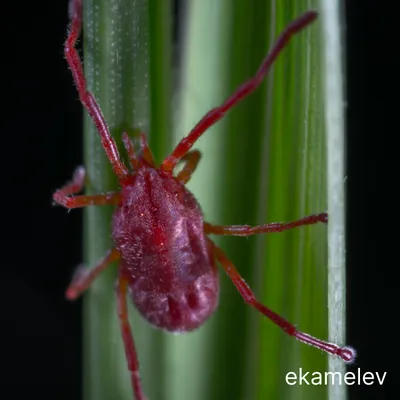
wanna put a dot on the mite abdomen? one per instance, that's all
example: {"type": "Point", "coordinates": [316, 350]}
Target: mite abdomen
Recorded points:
{"type": "Point", "coordinates": [184, 308]}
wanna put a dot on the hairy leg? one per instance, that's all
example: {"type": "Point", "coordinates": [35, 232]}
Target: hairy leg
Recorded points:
{"type": "Point", "coordinates": [347, 354]}
{"type": "Point", "coordinates": [112, 198]}
{"type": "Point", "coordinates": [83, 276]}
{"type": "Point", "coordinates": [133, 160]}
{"type": "Point", "coordinates": [191, 159]}
{"type": "Point", "coordinates": [87, 98]}
{"type": "Point", "coordinates": [76, 184]}
{"type": "Point", "coordinates": [63, 196]}
{"type": "Point", "coordinates": [247, 230]}
{"type": "Point", "coordinates": [243, 91]}
{"type": "Point", "coordinates": [129, 344]}
{"type": "Point", "coordinates": [146, 152]}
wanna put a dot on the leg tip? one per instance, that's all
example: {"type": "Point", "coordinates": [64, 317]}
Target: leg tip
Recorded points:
{"type": "Point", "coordinates": [348, 354]}
{"type": "Point", "coordinates": [71, 294]}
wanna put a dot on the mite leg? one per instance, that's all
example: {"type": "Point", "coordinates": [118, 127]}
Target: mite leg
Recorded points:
{"type": "Point", "coordinates": [133, 160]}
{"type": "Point", "coordinates": [192, 160]}
{"type": "Point", "coordinates": [76, 184]}
{"type": "Point", "coordinates": [347, 354]}
{"type": "Point", "coordinates": [247, 230]}
{"type": "Point", "coordinates": [86, 97]}
{"type": "Point", "coordinates": [146, 152]}
{"type": "Point", "coordinates": [129, 344]}
{"type": "Point", "coordinates": [62, 196]}
{"type": "Point", "coordinates": [112, 198]}
{"type": "Point", "coordinates": [243, 91]}
{"type": "Point", "coordinates": [83, 276]}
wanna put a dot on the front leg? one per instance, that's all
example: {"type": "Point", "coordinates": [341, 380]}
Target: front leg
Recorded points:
{"type": "Point", "coordinates": [247, 230]}
{"type": "Point", "coordinates": [63, 196]}
{"type": "Point", "coordinates": [191, 159]}
{"type": "Point", "coordinates": [86, 97]}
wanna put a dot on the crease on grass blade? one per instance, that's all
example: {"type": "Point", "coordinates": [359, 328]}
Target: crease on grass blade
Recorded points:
{"type": "Point", "coordinates": [204, 57]}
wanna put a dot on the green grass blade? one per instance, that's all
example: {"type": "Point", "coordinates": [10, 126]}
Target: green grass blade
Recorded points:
{"type": "Point", "coordinates": [265, 162]}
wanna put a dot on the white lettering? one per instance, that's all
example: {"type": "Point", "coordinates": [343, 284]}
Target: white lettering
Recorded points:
{"type": "Point", "coordinates": [317, 378]}
{"type": "Point", "coordinates": [366, 376]}
{"type": "Point", "coordinates": [292, 376]}
{"type": "Point", "coordinates": [303, 377]}
{"type": "Point", "coordinates": [348, 376]}
{"type": "Point", "coordinates": [333, 374]}
{"type": "Point", "coordinates": [334, 378]}
{"type": "Point", "coordinates": [379, 378]}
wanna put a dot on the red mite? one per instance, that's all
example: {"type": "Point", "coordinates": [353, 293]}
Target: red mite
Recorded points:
{"type": "Point", "coordinates": [167, 262]}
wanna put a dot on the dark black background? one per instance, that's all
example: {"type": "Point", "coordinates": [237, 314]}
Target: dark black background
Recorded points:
{"type": "Point", "coordinates": [41, 144]}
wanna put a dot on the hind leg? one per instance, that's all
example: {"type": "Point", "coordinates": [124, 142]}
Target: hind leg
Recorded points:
{"type": "Point", "coordinates": [129, 344]}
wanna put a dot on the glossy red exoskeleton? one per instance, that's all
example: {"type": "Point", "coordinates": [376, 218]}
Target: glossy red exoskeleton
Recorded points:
{"type": "Point", "coordinates": [167, 262]}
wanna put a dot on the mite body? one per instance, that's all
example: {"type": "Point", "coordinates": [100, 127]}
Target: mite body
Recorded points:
{"type": "Point", "coordinates": [159, 233]}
